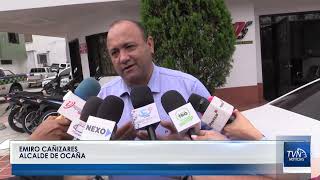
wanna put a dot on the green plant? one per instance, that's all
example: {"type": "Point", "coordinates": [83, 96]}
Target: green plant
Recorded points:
{"type": "Point", "coordinates": [195, 36]}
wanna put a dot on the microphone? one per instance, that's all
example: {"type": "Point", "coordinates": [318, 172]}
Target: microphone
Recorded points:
{"type": "Point", "coordinates": [182, 114]}
{"type": "Point", "coordinates": [74, 102]}
{"type": "Point", "coordinates": [87, 88]}
{"type": "Point", "coordinates": [90, 108]}
{"type": "Point", "coordinates": [216, 113]}
{"type": "Point", "coordinates": [103, 125]}
{"type": "Point", "coordinates": [145, 114]}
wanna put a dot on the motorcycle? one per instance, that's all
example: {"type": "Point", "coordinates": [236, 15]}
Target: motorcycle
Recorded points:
{"type": "Point", "coordinates": [20, 104]}
{"type": "Point", "coordinates": [48, 106]}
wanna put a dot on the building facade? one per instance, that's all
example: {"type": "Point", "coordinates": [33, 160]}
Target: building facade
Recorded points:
{"type": "Point", "coordinates": [12, 52]}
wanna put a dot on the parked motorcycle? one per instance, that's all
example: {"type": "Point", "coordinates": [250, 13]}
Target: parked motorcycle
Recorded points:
{"type": "Point", "coordinates": [20, 104]}
{"type": "Point", "coordinates": [29, 109]}
{"type": "Point", "coordinates": [48, 105]}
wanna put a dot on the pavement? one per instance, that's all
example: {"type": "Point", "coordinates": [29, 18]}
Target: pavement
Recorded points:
{"type": "Point", "coordinates": [7, 134]}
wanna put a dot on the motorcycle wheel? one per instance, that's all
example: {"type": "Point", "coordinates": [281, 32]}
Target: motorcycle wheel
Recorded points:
{"type": "Point", "coordinates": [31, 122]}
{"type": "Point", "coordinates": [45, 115]}
{"type": "Point", "coordinates": [13, 120]}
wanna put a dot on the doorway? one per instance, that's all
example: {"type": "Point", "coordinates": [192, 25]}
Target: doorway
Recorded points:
{"type": "Point", "coordinates": [290, 51]}
{"type": "Point", "coordinates": [75, 59]}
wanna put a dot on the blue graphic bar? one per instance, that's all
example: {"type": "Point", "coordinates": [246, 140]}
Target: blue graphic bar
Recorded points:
{"type": "Point", "coordinates": [142, 169]}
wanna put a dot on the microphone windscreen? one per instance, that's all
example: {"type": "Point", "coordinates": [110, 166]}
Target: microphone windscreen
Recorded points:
{"type": "Point", "coordinates": [172, 100]}
{"type": "Point", "coordinates": [90, 108]}
{"type": "Point", "coordinates": [111, 108]}
{"type": "Point", "coordinates": [87, 88]}
{"type": "Point", "coordinates": [198, 102]}
{"type": "Point", "coordinates": [141, 96]}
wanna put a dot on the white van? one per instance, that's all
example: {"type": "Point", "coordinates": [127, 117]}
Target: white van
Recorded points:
{"type": "Point", "coordinates": [55, 66]}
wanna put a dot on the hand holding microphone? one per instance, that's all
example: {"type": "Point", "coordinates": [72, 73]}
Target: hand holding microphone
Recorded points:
{"type": "Point", "coordinates": [103, 125]}
{"type": "Point", "coordinates": [241, 129]}
{"type": "Point", "coordinates": [55, 128]}
{"type": "Point", "coordinates": [52, 129]}
{"type": "Point", "coordinates": [222, 117]}
{"type": "Point", "coordinates": [145, 115]}
{"type": "Point", "coordinates": [182, 114]}
{"type": "Point", "coordinates": [216, 113]}
{"type": "Point", "coordinates": [74, 102]}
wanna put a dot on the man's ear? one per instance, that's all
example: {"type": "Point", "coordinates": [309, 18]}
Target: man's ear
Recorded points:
{"type": "Point", "coordinates": [150, 44]}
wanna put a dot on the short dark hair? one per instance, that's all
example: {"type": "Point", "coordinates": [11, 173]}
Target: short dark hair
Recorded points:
{"type": "Point", "coordinates": [138, 24]}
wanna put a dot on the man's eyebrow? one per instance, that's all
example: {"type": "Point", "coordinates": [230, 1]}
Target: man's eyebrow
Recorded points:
{"type": "Point", "coordinates": [113, 49]}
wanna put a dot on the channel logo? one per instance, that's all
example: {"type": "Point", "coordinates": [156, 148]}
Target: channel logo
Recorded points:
{"type": "Point", "coordinates": [69, 104]}
{"type": "Point", "coordinates": [145, 112]}
{"type": "Point", "coordinates": [183, 116]}
{"type": "Point", "coordinates": [98, 130]}
{"type": "Point", "coordinates": [297, 154]}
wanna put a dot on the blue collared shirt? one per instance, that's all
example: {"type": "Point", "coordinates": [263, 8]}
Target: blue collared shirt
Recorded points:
{"type": "Point", "coordinates": [161, 81]}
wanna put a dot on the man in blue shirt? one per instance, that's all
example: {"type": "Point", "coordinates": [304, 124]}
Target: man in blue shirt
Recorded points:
{"type": "Point", "coordinates": [131, 53]}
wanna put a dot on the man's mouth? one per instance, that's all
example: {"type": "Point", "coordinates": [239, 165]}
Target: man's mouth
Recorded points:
{"type": "Point", "coordinates": [128, 67]}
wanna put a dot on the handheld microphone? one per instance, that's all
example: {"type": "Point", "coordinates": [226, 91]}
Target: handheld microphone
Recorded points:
{"type": "Point", "coordinates": [90, 108]}
{"type": "Point", "coordinates": [102, 126]}
{"type": "Point", "coordinates": [181, 113]}
{"type": "Point", "coordinates": [216, 113]}
{"type": "Point", "coordinates": [145, 114]}
{"type": "Point", "coordinates": [74, 102]}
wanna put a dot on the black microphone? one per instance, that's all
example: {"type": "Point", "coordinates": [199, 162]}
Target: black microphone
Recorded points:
{"type": "Point", "coordinates": [111, 109]}
{"type": "Point", "coordinates": [173, 100]}
{"type": "Point", "coordinates": [210, 115]}
{"type": "Point", "coordinates": [142, 96]}
{"type": "Point", "coordinates": [90, 108]}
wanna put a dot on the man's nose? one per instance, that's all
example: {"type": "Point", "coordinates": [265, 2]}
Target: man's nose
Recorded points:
{"type": "Point", "coordinates": [124, 57]}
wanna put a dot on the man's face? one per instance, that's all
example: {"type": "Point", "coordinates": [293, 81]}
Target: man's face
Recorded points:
{"type": "Point", "coordinates": [131, 55]}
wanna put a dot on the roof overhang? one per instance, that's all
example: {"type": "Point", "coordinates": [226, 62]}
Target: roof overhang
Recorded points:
{"type": "Point", "coordinates": [62, 18]}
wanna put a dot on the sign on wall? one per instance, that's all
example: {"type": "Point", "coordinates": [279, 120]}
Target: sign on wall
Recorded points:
{"type": "Point", "coordinates": [241, 30]}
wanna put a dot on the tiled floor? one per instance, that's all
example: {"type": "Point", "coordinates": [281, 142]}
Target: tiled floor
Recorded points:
{"type": "Point", "coordinates": [5, 167]}
{"type": "Point", "coordinates": [7, 133]}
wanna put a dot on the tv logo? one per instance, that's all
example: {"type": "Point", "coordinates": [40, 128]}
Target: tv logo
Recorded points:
{"type": "Point", "coordinates": [214, 118]}
{"type": "Point", "coordinates": [69, 104]}
{"type": "Point", "coordinates": [102, 131]}
{"type": "Point", "coordinates": [184, 116]}
{"type": "Point", "coordinates": [297, 154]}
{"type": "Point", "coordinates": [78, 127]}
{"type": "Point", "coordinates": [145, 112]}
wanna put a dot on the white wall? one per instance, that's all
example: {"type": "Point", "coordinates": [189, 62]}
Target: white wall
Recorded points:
{"type": "Point", "coordinates": [17, 66]}
{"type": "Point", "coordinates": [7, 5]}
{"type": "Point", "coordinates": [55, 47]}
{"type": "Point", "coordinates": [244, 71]}
{"type": "Point", "coordinates": [31, 61]}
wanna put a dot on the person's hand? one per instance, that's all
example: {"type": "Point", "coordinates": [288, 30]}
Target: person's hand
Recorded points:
{"type": "Point", "coordinates": [208, 135]}
{"type": "Point", "coordinates": [174, 135]}
{"type": "Point", "coordinates": [126, 132]}
{"type": "Point", "coordinates": [241, 129]}
{"type": "Point", "coordinates": [53, 128]}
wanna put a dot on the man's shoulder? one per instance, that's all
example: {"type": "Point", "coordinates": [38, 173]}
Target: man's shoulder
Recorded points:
{"type": "Point", "coordinates": [114, 83]}
{"type": "Point", "coordinates": [170, 73]}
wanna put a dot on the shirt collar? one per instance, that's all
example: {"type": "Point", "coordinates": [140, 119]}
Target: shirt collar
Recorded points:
{"type": "Point", "coordinates": [154, 83]}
